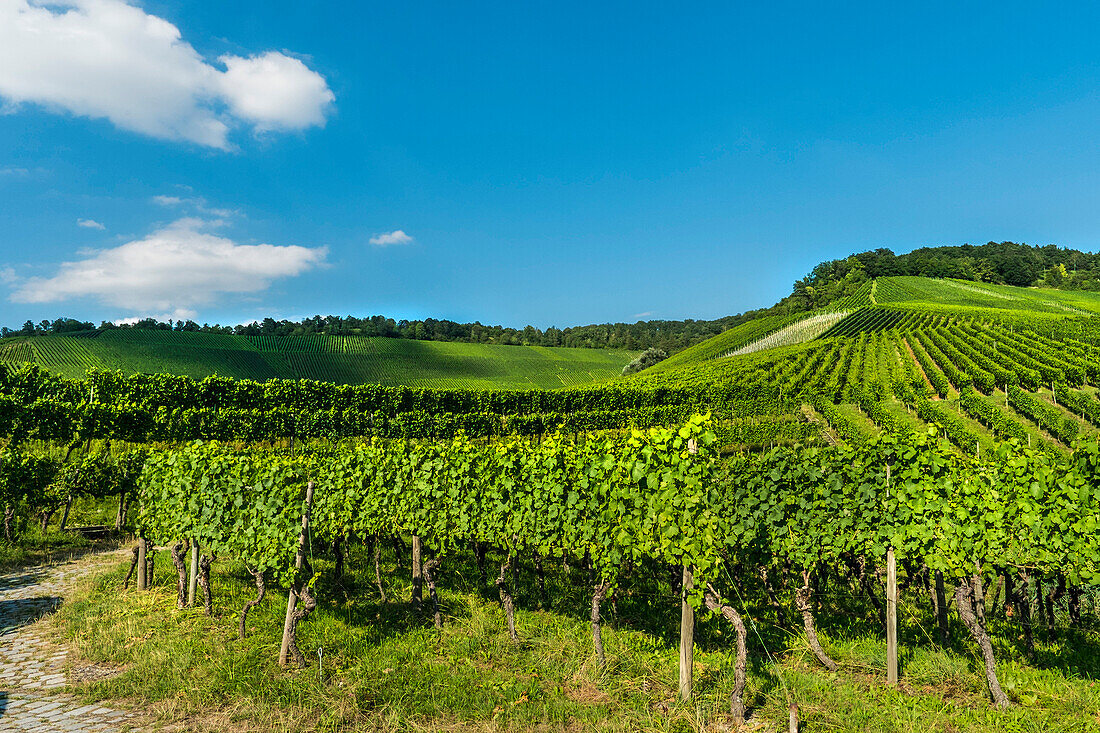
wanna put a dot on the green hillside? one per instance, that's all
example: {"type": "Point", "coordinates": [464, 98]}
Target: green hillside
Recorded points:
{"type": "Point", "coordinates": [981, 363]}
{"type": "Point", "coordinates": [966, 297]}
{"type": "Point", "coordinates": [756, 331]}
{"type": "Point", "coordinates": [890, 300]}
{"type": "Point", "coordinates": [339, 359]}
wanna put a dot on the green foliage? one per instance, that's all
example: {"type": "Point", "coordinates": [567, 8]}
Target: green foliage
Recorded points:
{"type": "Point", "coordinates": [612, 499]}
{"type": "Point", "coordinates": [935, 376]}
{"type": "Point", "coordinates": [953, 427]}
{"type": "Point", "coordinates": [766, 431]}
{"type": "Point", "coordinates": [960, 379]}
{"type": "Point", "coordinates": [1045, 415]}
{"type": "Point", "coordinates": [139, 408]}
{"type": "Point", "coordinates": [847, 428]}
{"type": "Point", "coordinates": [993, 417]}
{"type": "Point", "coordinates": [645, 360]}
{"type": "Point", "coordinates": [1083, 405]}
{"type": "Point", "coordinates": [729, 340]}
{"type": "Point", "coordinates": [967, 297]}
{"type": "Point", "coordinates": [647, 496]}
{"type": "Point", "coordinates": [867, 320]}
{"type": "Point", "coordinates": [25, 478]}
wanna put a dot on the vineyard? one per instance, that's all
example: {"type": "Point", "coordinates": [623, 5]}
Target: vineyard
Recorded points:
{"type": "Point", "coordinates": [935, 443]}
{"type": "Point", "coordinates": [338, 359]}
{"type": "Point", "coordinates": [753, 530]}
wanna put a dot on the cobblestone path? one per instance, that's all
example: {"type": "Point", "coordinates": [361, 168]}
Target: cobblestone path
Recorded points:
{"type": "Point", "coordinates": [32, 666]}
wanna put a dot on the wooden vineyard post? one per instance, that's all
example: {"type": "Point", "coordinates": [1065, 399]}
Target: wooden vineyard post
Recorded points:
{"type": "Point", "coordinates": [687, 636]}
{"type": "Point", "coordinates": [193, 581]}
{"type": "Point", "coordinates": [292, 597]}
{"type": "Point", "coordinates": [142, 583]}
{"type": "Point", "coordinates": [687, 620]}
{"type": "Point", "coordinates": [891, 607]}
{"type": "Point", "coordinates": [417, 574]}
{"type": "Point", "coordinates": [891, 618]}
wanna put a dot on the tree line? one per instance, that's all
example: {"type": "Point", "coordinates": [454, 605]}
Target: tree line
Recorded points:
{"type": "Point", "coordinates": [669, 336]}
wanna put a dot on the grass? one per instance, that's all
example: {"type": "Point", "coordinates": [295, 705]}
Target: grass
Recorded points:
{"type": "Point", "coordinates": [34, 547]}
{"type": "Point", "coordinates": [339, 359]}
{"type": "Point", "coordinates": [384, 668]}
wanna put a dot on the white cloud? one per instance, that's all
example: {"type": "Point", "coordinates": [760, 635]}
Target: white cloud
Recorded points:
{"type": "Point", "coordinates": [7, 276]}
{"type": "Point", "coordinates": [89, 224]}
{"type": "Point", "coordinates": [174, 269]}
{"type": "Point", "coordinates": [167, 200]}
{"type": "Point", "coordinates": [13, 171]}
{"type": "Point", "coordinates": [108, 59]}
{"type": "Point", "coordinates": [387, 238]}
{"type": "Point", "coordinates": [274, 91]}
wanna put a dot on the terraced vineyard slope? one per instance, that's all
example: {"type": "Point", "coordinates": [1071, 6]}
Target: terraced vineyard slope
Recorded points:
{"type": "Point", "coordinates": [978, 363]}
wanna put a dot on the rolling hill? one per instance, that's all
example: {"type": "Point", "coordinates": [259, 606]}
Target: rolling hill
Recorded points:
{"type": "Point", "coordinates": [339, 359]}
{"type": "Point", "coordinates": [981, 363]}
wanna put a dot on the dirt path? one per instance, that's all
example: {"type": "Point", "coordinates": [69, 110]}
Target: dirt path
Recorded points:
{"type": "Point", "coordinates": [826, 429]}
{"type": "Point", "coordinates": [920, 370]}
{"type": "Point", "coordinates": [33, 668]}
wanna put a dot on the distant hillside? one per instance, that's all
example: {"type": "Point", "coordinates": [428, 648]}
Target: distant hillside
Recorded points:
{"type": "Point", "coordinates": [339, 359]}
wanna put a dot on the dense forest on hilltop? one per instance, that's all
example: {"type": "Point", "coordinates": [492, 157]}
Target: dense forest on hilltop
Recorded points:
{"type": "Point", "coordinates": [1006, 263]}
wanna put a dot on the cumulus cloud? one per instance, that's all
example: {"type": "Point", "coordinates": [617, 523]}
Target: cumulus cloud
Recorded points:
{"type": "Point", "coordinates": [107, 59]}
{"type": "Point", "coordinates": [89, 224]}
{"type": "Point", "coordinates": [274, 91]}
{"type": "Point", "coordinates": [174, 269]}
{"type": "Point", "coordinates": [385, 239]}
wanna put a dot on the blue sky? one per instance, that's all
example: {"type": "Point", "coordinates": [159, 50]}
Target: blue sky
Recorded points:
{"type": "Point", "coordinates": [547, 163]}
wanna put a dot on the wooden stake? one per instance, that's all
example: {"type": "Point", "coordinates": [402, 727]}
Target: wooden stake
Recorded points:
{"type": "Point", "coordinates": [142, 583]}
{"type": "Point", "coordinates": [891, 607]}
{"type": "Point", "coordinates": [418, 574]}
{"type": "Point", "coordinates": [292, 597]}
{"type": "Point", "coordinates": [687, 636]}
{"type": "Point", "coordinates": [687, 620]}
{"type": "Point", "coordinates": [193, 581]}
{"type": "Point", "coordinates": [891, 618]}
{"type": "Point", "coordinates": [65, 515]}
